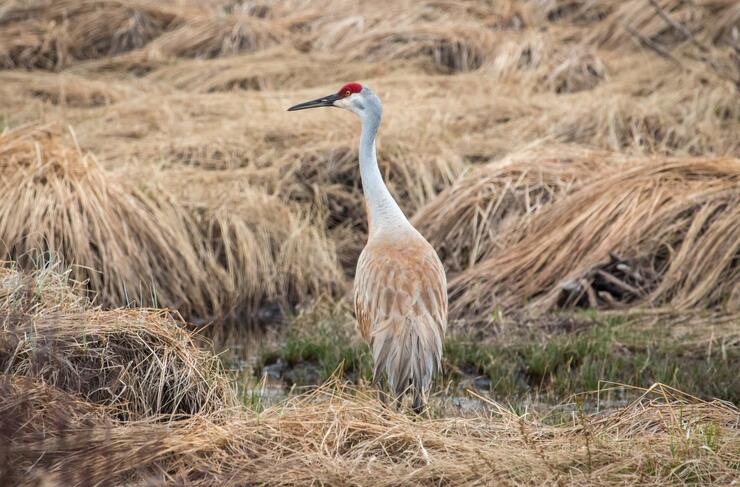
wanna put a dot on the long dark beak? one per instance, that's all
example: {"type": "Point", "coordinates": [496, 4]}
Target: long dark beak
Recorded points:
{"type": "Point", "coordinates": [326, 101]}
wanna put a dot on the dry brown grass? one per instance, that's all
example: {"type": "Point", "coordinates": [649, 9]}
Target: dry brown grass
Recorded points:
{"type": "Point", "coordinates": [180, 101]}
{"type": "Point", "coordinates": [265, 70]}
{"type": "Point", "coordinates": [49, 287]}
{"type": "Point", "coordinates": [215, 37]}
{"type": "Point", "coordinates": [674, 221]}
{"type": "Point", "coordinates": [60, 202]}
{"type": "Point", "coordinates": [51, 34]}
{"type": "Point", "coordinates": [485, 210]}
{"type": "Point", "coordinates": [712, 21]}
{"type": "Point", "coordinates": [705, 334]}
{"type": "Point", "coordinates": [335, 435]}
{"type": "Point", "coordinates": [62, 89]}
{"type": "Point", "coordinates": [528, 141]}
{"type": "Point", "coordinates": [137, 244]}
{"type": "Point", "coordinates": [120, 396]}
{"type": "Point", "coordinates": [139, 362]}
{"type": "Point", "coordinates": [264, 250]}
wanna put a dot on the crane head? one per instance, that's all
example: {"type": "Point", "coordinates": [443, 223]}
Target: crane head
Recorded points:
{"type": "Point", "coordinates": [347, 97]}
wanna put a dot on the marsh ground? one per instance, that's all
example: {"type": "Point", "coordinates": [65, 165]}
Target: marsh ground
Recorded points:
{"type": "Point", "coordinates": [574, 163]}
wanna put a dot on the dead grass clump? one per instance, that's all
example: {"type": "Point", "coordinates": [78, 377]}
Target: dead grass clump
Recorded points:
{"type": "Point", "coordinates": [698, 37]}
{"type": "Point", "coordinates": [278, 68]}
{"type": "Point", "coordinates": [53, 34]}
{"type": "Point", "coordinates": [141, 362]}
{"type": "Point", "coordinates": [575, 70]}
{"type": "Point", "coordinates": [445, 48]}
{"type": "Point", "coordinates": [61, 89]}
{"type": "Point", "coordinates": [263, 250]}
{"type": "Point", "coordinates": [30, 411]}
{"type": "Point", "coordinates": [675, 221]}
{"type": "Point", "coordinates": [449, 49]}
{"type": "Point", "coordinates": [712, 21]}
{"type": "Point", "coordinates": [48, 287]}
{"type": "Point", "coordinates": [545, 63]}
{"type": "Point", "coordinates": [210, 37]}
{"type": "Point", "coordinates": [210, 250]}
{"type": "Point", "coordinates": [126, 244]}
{"type": "Point", "coordinates": [334, 435]}
{"type": "Point", "coordinates": [670, 113]}
{"type": "Point", "coordinates": [485, 211]}
{"type": "Point", "coordinates": [214, 155]}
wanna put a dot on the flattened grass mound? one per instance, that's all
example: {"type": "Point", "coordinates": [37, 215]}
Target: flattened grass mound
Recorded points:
{"type": "Point", "coordinates": [61, 89]}
{"type": "Point", "coordinates": [543, 62]}
{"type": "Point", "coordinates": [127, 244]}
{"type": "Point", "coordinates": [51, 34]}
{"type": "Point", "coordinates": [672, 228]}
{"type": "Point", "coordinates": [141, 362]}
{"type": "Point", "coordinates": [220, 251]}
{"type": "Point", "coordinates": [484, 211]}
{"type": "Point", "coordinates": [216, 37]}
{"type": "Point", "coordinates": [446, 48]}
{"type": "Point", "coordinates": [334, 435]}
{"type": "Point", "coordinates": [276, 68]}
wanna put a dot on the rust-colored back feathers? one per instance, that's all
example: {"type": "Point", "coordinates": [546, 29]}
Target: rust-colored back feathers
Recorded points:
{"type": "Point", "coordinates": [401, 307]}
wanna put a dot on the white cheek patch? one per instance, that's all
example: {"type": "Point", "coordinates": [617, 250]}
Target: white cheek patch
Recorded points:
{"type": "Point", "coordinates": [343, 103]}
{"type": "Point", "coordinates": [352, 103]}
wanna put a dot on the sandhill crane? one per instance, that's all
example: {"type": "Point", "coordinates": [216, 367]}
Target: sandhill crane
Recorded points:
{"type": "Point", "coordinates": [400, 287]}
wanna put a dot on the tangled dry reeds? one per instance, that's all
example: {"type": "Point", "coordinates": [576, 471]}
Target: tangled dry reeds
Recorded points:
{"type": "Point", "coordinates": [673, 221]}
{"type": "Point", "coordinates": [59, 201]}
{"type": "Point", "coordinates": [482, 211]}
{"type": "Point", "coordinates": [139, 363]}
{"type": "Point", "coordinates": [335, 435]}
{"type": "Point", "coordinates": [141, 245]}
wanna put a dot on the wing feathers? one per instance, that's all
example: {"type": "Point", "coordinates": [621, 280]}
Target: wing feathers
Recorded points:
{"type": "Point", "coordinates": [401, 307]}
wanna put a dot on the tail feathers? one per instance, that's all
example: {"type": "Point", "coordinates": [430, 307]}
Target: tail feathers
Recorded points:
{"type": "Point", "coordinates": [409, 354]}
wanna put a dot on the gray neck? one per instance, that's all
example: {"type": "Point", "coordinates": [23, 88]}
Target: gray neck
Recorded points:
{"type": "Point", "coordinates": [383, 211]}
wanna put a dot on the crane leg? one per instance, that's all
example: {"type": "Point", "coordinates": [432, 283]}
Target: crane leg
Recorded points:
{"type": "Point", "coordinates": [387, 398]}
{"type": "Point", "coordinates": [419, 405]}
{"type": "Point", "coordinates": [381, 383]}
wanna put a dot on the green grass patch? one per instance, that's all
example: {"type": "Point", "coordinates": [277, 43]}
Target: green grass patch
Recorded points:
{"type": "Point", "coordinates": [612, 349]}
{"type": "Point", "coordinates": [315, 346]}
{"type": "Point", "coordinates": [543, 365]}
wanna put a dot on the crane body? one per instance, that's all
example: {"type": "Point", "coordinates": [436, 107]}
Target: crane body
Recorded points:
{"type": "Point", "coordinates": [400, 288]}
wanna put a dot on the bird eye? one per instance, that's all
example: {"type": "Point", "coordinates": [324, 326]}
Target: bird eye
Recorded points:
{"type": "Point", "coordinates": [347, 93]}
